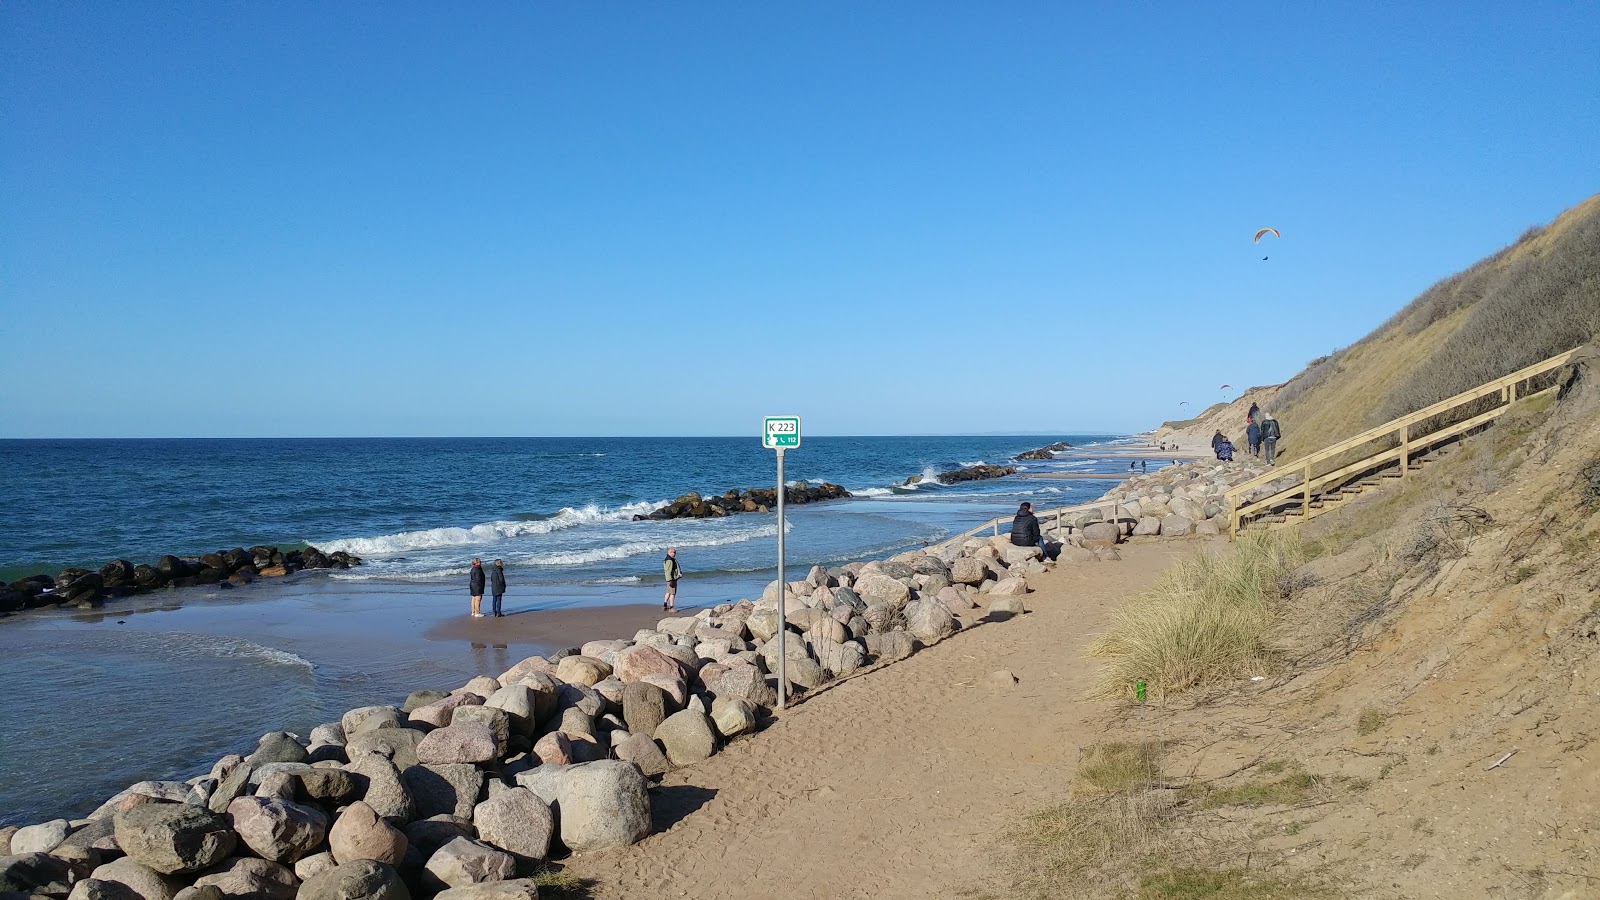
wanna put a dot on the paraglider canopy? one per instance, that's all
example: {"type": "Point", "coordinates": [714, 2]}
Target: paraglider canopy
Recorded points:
{"type": "Point", "coordinates": [1271, 231]}
{"type": "Point", "coordinates": [1224, 387]}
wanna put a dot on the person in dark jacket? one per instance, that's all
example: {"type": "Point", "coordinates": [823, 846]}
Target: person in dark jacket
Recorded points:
{"type": "Point", "coordinates": [497, 585]}
{"type": "Point", "coordinates": [1270, 433]}
{"type": "Point", "coordinates": [1025, 528]}
{"type": "Point", "coordinates": [1253, 417]}
{"type": "Point", "coordinates": [1216, 441]}
{"type": "Point", "coordinates": [475, 587]}
{"type": "Point", "coordinates": [1252, 434]}
{"type": "Point", "coordinates": [672, 572]}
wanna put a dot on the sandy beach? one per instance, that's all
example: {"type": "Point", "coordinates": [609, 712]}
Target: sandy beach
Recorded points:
{"type": "Point", "coordinates": [559, 628]}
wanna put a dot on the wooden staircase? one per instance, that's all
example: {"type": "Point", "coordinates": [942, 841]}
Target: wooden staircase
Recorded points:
{"type": "Point", "coordinates": [1311, 485]}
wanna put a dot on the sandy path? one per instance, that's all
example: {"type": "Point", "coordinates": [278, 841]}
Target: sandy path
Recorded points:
{"type": "Point", "coordinates": [892, 784]}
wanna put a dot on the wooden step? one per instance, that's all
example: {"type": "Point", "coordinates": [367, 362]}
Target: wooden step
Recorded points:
{"type": "Point", "coordinates": [1393, 474]}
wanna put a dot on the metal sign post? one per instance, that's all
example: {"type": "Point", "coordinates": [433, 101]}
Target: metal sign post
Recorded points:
{"type": "Point", "coordinates": [781, 433]}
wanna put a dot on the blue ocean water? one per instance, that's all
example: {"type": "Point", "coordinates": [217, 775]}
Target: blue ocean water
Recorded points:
{"type": "Point", "coordinates": [161, 684]}
{"type": "Point", "coordinates": [556, 509]}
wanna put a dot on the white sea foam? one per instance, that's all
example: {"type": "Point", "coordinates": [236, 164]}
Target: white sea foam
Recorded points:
{"type": "Point", "coordinates": [485, 533]}
{"type": "Point", "coordinates": [874, 492]}
{"type": "Point", "coordinates": [640, 548]}
{"type": "Point", "coordinates": [220, 647]}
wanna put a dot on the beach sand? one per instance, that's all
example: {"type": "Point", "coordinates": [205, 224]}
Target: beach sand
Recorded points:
{"type": "Point", "coordinates": [896, 783]}
{"type": "Point", "coordinates": [558, 628]}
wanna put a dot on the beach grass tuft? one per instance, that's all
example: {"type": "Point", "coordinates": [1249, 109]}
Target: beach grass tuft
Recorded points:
{"type": "Point", "coordinates": [1206, 620]}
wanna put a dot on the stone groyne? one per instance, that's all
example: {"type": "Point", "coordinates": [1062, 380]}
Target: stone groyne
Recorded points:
{"type": "Point", "coordinates": [85, 589]}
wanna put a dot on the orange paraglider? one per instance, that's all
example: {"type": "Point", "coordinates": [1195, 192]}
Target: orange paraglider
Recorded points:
{"type": "Point", "coordinates": [1271, 231]}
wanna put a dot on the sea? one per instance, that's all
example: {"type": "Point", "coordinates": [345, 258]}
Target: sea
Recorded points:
{"type": "Point", "coordinates": [160, 685]}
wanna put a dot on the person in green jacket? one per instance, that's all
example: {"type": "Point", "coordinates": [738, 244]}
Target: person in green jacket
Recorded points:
{"type": "Point", "coordinates": [669, 567]}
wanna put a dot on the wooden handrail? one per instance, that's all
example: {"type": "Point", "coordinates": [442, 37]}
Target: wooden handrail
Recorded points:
{"type": "Point", "coordinates": [1399, 428]}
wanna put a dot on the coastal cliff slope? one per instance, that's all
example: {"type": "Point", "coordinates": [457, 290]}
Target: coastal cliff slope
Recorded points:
{"type": "Point", "coordinates": [1533, 299]}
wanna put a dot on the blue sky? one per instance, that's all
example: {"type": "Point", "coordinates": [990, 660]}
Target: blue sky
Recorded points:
{"type": "Point", "coordinates": [307, 219]}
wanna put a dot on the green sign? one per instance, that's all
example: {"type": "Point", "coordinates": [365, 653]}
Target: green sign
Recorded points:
{"type": "Point", "coordinates": [780, 432]}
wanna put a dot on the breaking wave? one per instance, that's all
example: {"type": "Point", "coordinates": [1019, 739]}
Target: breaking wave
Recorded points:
{"type": "Point", "coordinates": [486, 533]}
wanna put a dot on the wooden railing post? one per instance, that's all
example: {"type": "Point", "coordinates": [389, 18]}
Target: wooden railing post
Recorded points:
{"type": "Point", "coordinates": [1405, 450]}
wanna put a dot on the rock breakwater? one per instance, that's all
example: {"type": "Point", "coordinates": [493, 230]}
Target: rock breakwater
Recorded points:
{"type": "Point", "coordinates": [694, 506]}
{"type": "Point", "coordinates": [1048, 451]}
{"type": "Point", "coordinates": [85, 589]}
{"type": "Point", "coordinates": [970, 473]}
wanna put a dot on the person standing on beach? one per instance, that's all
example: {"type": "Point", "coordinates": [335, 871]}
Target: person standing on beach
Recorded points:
{"type": "Point", "coordinates": [497, 585]}
{"type": "Point", "coordinates": [475, 586]}
{"type": "Point", "coordinates": [1269, 436]}
{"type": "Point", "coordinates": [670, 568]}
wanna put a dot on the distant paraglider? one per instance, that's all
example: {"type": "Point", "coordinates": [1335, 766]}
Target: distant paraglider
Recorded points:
{"type": "Point", "coordinates": [1265, 231]}
{"type": "Point", "coordinates": [1184, 403]}
{"type": "Point", "coordinates": [1224, 387]}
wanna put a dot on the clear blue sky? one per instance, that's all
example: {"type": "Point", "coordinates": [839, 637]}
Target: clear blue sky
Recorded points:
{"type": "Point", "coordinates": [284, 219]}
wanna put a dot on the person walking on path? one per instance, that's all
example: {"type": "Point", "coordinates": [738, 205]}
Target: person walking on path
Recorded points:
{"type": "Point", "coordinates": [1025, 528]}
{"type": "Point", "coordinates": [1269, 436]}
{"type": "Point", "coordinates": [497, 585]}
{"type": "Point", "coordinates": [1216, 442]}
{"type": "Point", "coordinates": [1253, 417]}
{"type": "Point", "coordinates": [475, 587]}
{"type": "Point", "coordinates": [671, 569]}
{"type": "Point", "coordinates": [1252, 434]}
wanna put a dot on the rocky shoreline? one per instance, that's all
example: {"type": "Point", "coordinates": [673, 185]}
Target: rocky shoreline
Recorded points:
{"type": "Point", "coordinates": [85, 589]}
{"type": "Point", "coordinates": [979, 472]}
{"type": "Point", "coordinates": [1048, 451]}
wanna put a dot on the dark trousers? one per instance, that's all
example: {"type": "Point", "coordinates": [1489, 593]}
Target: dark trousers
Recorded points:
{"type": "Point", "coordinates": [497, 604]}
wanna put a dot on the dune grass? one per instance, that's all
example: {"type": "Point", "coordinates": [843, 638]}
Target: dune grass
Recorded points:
{"type": "Point", "coordinates": [1206, 621]}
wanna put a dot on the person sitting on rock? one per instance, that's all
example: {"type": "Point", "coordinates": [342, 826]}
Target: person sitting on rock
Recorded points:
{"type": "Point", "coordinates": [1025, 528]}
{"type": "Point", "coordinates": [1225, 450]}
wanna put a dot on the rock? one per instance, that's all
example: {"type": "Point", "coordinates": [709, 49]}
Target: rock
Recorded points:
{"type": "Point", "coordinates": [279, 746]}
{"type": "Point", "coordinates": [1207, 528]}
{"type": "Point", "coordinates": [554, 749]}
{"type": "Point", "coordinates": [929, 621]}
{"type": "Point", "coordinates": [688, 737]}
{"type": "Point", "coordinates": [232, 785]}
{"type": "Point", "coordinates": [37, 874]}
{"type": "Point", "coordinates": [889, 646]}
{"type": "Point", "coordinates": [314, 865]}
{"type": "Point", "coordinates": [482, 685]}
{"type": "Point", "coordinates": [469, 743]}
{"type": "Point", "coordinates": [885, 617]}
{"type": "Point", "coordinates": [968, 570]}
{"type": "Point", "coordinates": [94, 889]}
{"type": "Point", "coordinates": [328, 733]}
{"type": "Point", "coordinates": [438, 713]}
{"type": "Point", "coordinates": [955, 599]}
{"type": "Point", "coordinates": [399, 745]}
{"type": "Point", "coordinates": [369, 718]}
{"type": "Point", "coordinates": [733, 717]}
{"type": "Point", "coordinates": [268, 770]}
{"type": "Point", "coordinates": [444, 789]}
{"type": "Point", "coordinates": [645, 706]}
{"type": "Point", "coordinates": [1101, 532]}
{"type": "Point", "coordinates": [518, 822]}
{"type": "Point", "coordinates": [645, 753]}
{"type": "Point", "coordinates": [420, 698]}
{"type": "Point", "coordinates": [581, 697]}
{"type": "Point", "coordinates": [744, 682]}
{"type": "Point", "coordinates": [245, 878]}
{"type": "Point", "coordinates": [6, 831]}
{"type": "Point", "coordinates": [805, 673]}
{"type": "Point", "coordinates": [386, 793]}
{"type": "Point", "coordinates": [1107, 554]}
{"type": "Point", "coordinates": [464, 861]}
{"type": "Point", "coordinates": [41, 838]}
{"type": "Point", "coordinates": [1176, 526]}
{"type": "Point", "coordinates": [1147, 525]}
{"type": "Point", "coordinates": [828, 630]}
{"type": "Point", "coordinates": [1012, 554]}
{"type": "Point", "coordinates": [334, 787]}
{"type": "Point", "coordinates": [876, 587]}
{"type": "Point", "coordinates": [360, 833]}
{"type": "Point", "coordinates": [514, 889]}
{"type": "Point", "coordinates": [142, 880]}
{"type": "Point", "coordinates": [582, 670]}
{"type": "Point", "coordinates": [428, 835]}
{"type": "Point", "coordinates": [1075, 554]}
{"type": "Point", "coordinates": [1009, 587]}
{"type": "Point", "coordinates": [1001, 678]}
{"type": "Point", "coordinates": [577, 724]}
{"type": "Point", "coordinates": [364, 879]}
{"type": "Point", "coordinates": [634, 663]}
{"type": "Point", "coordinates": [1004, 607]}
{"type": "Point", "coordinates": [603, 804]}
{"type": "Point", "coordinates": [278, 785]}
{"type": "Point", "coordinates": [209, 892]}
{"type": "Point", "coordinates": [519, 705]}
{"type": "Point", "coordinates": [173, 838]}
{"type": "Point", "coordinates": [841, 658]}
{"type": "Point", "coordinates": [278, 830]}
{"type": "Point", "coordinates": [496, 721]}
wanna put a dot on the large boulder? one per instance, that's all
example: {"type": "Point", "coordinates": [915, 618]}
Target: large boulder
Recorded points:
{"type": "Point", "coordinates": [278, 746]}
{"type": "Point", "coordinates": [968, 570]}
{"type": "Point", "coordinates": [174, 837]}
{"type": "Point", "coordinates": [334, 787]}
{"type": "Point", "coordinates": [1098, 534]}
{"type": "Point", "coordinates": [643, 752]}
{"type": "Point", "coordinates": [515, 889]}
{"type": "Point", "coordinates": [929, 621]}
{"type": "Point", "coordinates": [1014, 586]}
{"type": "Point", "coordinates": [1013, 555]}
{"type": "Point", "coordinates": [426, 836]}
{"type": "Point", "coordinates": [733, 716]}
{"type": "Point", "coordinates": [369, 718]}
{"type": "Point", "coordinates": [517, 821]}
{"type": "Point", "coordinates": [386, 791]}
{"type": "Point", "coordinates": [645, 706]}
{"type": "Point", "coordinates": [492, 718]}
{"type": "Point", "coordinates": [438, 713]}
{"type": "Point", "coordinates": [839, 658]}
{"type": "Point", "coordinates": [41, 838]}
{"type": "Point", "coordinates": [396, 744]}
{"type": "Point", "coordinates": [464, 861]}
{"type": "Point", "coordinates": [364, 879]}
{"type": "Point", "coordinates": [144, 881]}
{"type": "Point", "coordinates": [520, 706]}
{"type": "Point", "coordinates": [889, 646]}
{"type": "Point", "coordinates": [92, 888]}
{"type": "Point", "coordinates": [245, 878]}
{"type": "Point", "coordinates": [468, 743]}
{"type": "Point", "coordinates": [360, 833]}
{"type": "Point", "coordinates": [1176, 526]}
{"type": "Point", "coordinates": [634, 663]}
{"type": "Point", "coordinates": [278, 829]}
{"type": "Point", "coordinates": [584, 670]}
{"type": "Point", "coordinates": [1147, 526]}
{"type": "Point", "coordinates": [449, 789]}
{"type": "Point", "coordinates": [687, 736]}
{"type": "Point", "coordinates": [39, 874]}
{"type": "Point", "coordinates": [876, 587]}
{"type": "Point", "coordinates": [744, 682]}
{"type": "Point", "coordinates": [603, 804]}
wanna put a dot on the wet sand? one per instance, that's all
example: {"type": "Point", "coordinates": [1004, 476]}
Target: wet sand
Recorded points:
{"type": "Point", "coordinates": [556, 628]}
